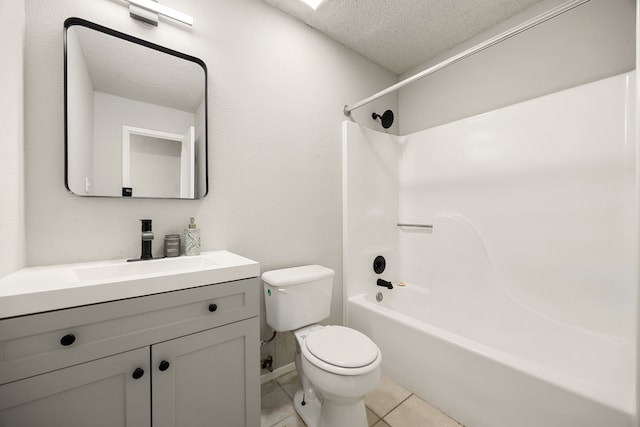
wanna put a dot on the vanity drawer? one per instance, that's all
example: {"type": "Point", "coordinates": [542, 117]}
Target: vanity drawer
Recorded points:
{"type": "Point", "coordinates": [39, 343]}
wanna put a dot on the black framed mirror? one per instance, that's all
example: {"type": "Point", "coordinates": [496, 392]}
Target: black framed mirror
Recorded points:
{"type": "Point", "coordinates": [135, 116]}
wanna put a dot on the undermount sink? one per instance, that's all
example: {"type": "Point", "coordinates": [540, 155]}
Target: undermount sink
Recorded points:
{"type": "Point", "coordinates": [122, 268]}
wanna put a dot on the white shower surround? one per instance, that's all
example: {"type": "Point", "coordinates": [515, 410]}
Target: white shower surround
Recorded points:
{"type": "Point", "coordinates": [524, 294]}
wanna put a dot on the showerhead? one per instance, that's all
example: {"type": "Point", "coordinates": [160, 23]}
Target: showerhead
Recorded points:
{"type": "Point", "coordinates": [386, 118]}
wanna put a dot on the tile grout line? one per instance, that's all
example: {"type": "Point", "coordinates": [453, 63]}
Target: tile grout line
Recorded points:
{"type": "Point", "coordinates": [377, 416]}
{"type": "Point", "coordinates": [288, 397]}
{"type": "Point", "coordinates": [380, 418]}
{"type": "Point", "coordinates": [282, 388]}
{"type": "Point", "coordinates": [394, 408]}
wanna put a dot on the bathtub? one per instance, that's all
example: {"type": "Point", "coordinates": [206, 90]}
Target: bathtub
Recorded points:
{"type": "Point", "coordinates": [472, 361]}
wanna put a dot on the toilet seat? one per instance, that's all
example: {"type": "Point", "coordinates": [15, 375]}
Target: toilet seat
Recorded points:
{"type": "Point", "coordinates": [341, 350]}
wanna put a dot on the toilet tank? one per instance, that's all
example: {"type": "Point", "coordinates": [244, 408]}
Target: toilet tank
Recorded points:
{"type": "Point", "coordinates": [298, 296]}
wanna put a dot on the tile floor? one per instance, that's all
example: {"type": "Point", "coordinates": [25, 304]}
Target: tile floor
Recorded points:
{"type": "Point", "coordinates": [390, 405]}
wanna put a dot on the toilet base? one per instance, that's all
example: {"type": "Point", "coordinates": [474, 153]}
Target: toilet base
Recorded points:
{"type": "Point", "coordinates": [310, 411]}
{"type": "Point", "coordinates": [328, 414]}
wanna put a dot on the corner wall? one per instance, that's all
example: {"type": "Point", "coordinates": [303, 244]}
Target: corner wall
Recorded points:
{"type": "Point", "coordinates": [12, 246]}
{"type": "Point", "coordinates": [637, 207]}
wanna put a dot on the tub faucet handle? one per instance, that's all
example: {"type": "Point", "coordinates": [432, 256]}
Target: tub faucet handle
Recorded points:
{"type": "Point", "coordinates": [384, 284]}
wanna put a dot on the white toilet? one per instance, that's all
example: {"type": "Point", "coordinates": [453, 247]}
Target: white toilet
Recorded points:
{"type": "Point", "coordinates": [338, 366]}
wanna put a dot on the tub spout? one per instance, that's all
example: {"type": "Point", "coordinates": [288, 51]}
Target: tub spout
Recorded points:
{"type": "Point", "coordinates": [384, 284]}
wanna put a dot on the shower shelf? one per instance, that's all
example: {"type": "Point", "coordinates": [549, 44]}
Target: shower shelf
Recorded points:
{"type": "Point", "coordinates": [428, 226]}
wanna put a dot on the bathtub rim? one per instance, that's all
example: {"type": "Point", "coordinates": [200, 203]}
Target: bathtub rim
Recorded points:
{"type": "Point", "coordinates": [617, 400]}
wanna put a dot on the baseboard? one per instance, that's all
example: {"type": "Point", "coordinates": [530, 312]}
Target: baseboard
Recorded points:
{"type": "Point", "coordinates": [277, 373]}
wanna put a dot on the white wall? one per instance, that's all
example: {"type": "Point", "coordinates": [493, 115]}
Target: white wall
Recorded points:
{"type": "Point", "coordinates": [590, 42]}
{"type": "Point", "coordinates": [12, 245]}
{"type": "Point", "coordinates": [276, 93]}
{"type": "Point", "coordinates": [637, 206]}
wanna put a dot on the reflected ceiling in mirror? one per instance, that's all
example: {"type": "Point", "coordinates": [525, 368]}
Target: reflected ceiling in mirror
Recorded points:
{"type": "Point", "coordinates": [135, 116]}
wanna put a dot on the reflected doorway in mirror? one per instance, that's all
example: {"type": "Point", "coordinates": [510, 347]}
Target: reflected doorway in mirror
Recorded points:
{"type": "Point", "coordinates": [157, 163]}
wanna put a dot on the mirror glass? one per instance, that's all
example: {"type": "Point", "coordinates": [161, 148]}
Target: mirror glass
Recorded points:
{"type": "Point", "coordinates": [135, 116]}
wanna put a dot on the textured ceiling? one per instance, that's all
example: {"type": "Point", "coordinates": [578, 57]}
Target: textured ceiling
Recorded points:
{"type": "Point", "coordinates": [132, 71]}
{"type": "Point", "coordinates": [402, 34]}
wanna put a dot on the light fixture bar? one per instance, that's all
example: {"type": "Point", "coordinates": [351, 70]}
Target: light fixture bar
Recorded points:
{"type": "Point", "coordinates": [154, 7]}
{"type": "Point", "coordinates": [314, 4]}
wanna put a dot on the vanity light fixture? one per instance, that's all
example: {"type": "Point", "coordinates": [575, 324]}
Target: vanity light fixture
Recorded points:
{"type": "Point", "coordinates": [148, 11]}
{"type": "Point", "coordinates": [314, 4]}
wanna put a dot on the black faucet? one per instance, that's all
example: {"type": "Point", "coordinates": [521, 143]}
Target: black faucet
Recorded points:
{"type": "Point", "coordinates": [384, 284]}
{"type": "Point", "coordinates": [147, 239]}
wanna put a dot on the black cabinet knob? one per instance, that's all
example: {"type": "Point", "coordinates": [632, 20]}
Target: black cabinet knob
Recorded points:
{"type": "Point", "coordinates": [67, 340]}
{"type": "Point", "coordinates": [164, 365]}
{"type": "Point", "coordinates": [138, 373]}
{"type": "Point", "coordinates": [213, 307]}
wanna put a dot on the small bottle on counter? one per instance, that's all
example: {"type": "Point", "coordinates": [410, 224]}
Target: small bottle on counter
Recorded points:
{"type": "Point", "coordinates": [192, 239]}
{"type": "Point", "coordinates": [172, 245]}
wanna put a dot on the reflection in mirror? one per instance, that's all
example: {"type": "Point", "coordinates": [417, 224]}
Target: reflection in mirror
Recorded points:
{"type": "Point", "coordinates": [136, 116]}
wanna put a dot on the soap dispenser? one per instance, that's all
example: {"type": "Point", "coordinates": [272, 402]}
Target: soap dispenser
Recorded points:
{"type": "Point", "coordinates": [192, 239]}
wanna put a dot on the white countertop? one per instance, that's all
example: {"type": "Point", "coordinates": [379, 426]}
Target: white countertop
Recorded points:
{"type": "Point", "coordinates": [37, 289]}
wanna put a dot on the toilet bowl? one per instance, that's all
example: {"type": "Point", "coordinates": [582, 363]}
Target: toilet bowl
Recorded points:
{"type": "Point", "coordinates": [341, 366]}
{"type": "Point", "coordinates": [337, 365]}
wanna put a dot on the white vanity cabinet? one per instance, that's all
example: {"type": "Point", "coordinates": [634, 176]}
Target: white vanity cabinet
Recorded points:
{"type": "Point", "coordinates": [183, 358]}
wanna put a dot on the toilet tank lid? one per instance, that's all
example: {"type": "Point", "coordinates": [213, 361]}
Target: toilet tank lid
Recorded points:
{"type": "Point", "coordinates": [296, 275]}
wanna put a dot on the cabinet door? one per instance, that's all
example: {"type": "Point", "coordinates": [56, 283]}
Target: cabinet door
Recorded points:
{"type": "Point", "coordinates": [210, 378]}
{"type": "Point", "coordinates": [100, 393]}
